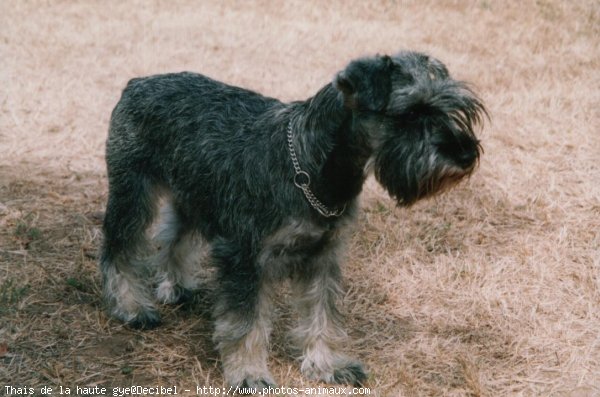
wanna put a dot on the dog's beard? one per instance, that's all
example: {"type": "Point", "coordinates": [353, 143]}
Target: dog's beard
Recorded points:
{"type": "Point", "coordinates": [411, 171]}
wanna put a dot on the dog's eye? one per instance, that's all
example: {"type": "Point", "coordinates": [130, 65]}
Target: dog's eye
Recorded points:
{"type": "Point", "coordinates": [401, 120]}
{"type": "Point", "coordinates": [414, 113]}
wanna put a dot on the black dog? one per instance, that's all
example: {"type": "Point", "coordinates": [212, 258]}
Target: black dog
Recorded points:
{"type": "Point", "coordinates": [270, 187]}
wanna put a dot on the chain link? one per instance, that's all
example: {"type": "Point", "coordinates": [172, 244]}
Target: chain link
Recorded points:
{"type": "Point", "coordinates": [304, 185]}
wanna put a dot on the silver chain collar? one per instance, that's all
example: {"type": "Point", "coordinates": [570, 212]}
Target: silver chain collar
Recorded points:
{"type": "Point", "coordinates": [302, 181]}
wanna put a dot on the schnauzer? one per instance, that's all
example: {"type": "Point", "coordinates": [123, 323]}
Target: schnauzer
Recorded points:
{"type": "Point", "coordinates": [270, 188]}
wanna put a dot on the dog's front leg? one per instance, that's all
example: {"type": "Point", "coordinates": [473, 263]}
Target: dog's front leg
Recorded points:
{"type": "Point", "coordinates": [242, 319]}
{"type": "Point", "coordinates": [320, 332]}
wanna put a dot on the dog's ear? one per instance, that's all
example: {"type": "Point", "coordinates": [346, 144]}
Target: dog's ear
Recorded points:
{"type": "Point", "coordinates": [365, 84]}
{"type": "Point", "coordinates": [417, 65]}
{"type": "Point", "coordinates": [437, 69]}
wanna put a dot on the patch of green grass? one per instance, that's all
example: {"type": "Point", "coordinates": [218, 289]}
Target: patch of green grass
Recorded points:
{"type": "Point", "coordinates": [24, 230]}
{"type": "Point", "coordinates": [11, 294]}
{"type": "Point", "coordinates": [78, 285]}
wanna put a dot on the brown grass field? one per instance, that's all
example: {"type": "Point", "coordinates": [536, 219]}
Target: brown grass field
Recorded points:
{"type": "Point", "coordinates": [492, 289]}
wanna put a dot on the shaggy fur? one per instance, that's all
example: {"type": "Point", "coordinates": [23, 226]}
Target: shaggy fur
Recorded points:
{"type": "Point", "coordinates": [220, 156]}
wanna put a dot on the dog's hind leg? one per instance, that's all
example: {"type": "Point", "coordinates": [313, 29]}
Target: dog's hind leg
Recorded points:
{"type": "Point", "coordinates": [126, 275]}
{"type": "Point", "coordinates": [177, 272]}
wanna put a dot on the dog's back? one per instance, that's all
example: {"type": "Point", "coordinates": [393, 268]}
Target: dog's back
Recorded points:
{"type": "Point", "coordinates": [163, 106]}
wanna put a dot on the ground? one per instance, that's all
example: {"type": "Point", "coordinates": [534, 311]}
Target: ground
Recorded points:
{"type": "Point", "coordinates": [492, 289]}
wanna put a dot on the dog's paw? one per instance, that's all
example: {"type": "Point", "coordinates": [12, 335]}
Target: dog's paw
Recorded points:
{"type": "Point", "coordinates": [352, 373]}
{"type": "Point", "coordinates": [145, 320]}
{"type": "Point", "coordinates": [342, 371]}
{"type": "Point", "coordinates": [254, 385]}
{"type": "Point", "coordinates": [171, 294]}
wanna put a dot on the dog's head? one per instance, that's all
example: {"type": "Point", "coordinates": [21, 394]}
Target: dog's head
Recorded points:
{"type": "Point", "coordinates": [418, 120]}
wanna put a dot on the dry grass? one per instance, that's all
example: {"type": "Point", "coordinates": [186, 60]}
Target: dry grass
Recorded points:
{"type": "Point", "coordinates": [490, 290]}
